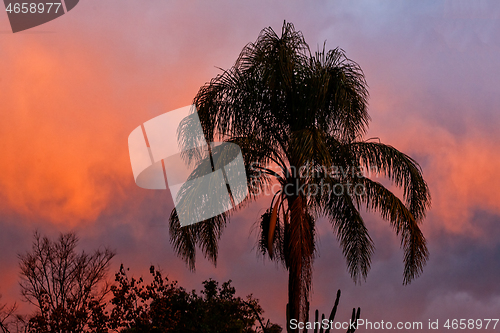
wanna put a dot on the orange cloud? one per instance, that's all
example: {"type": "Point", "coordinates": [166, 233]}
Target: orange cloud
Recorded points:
{"type": "Point", "coordinates": [461, 171]}
{"type": "Point", "coordinates": [64, 131]}
{"type": "Point", "coordinates": [68, 106]}
{"type": "Point", "coordinates": [58, 142]}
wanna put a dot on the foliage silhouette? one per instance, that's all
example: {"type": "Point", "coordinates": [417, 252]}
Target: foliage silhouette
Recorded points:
{"type": "Point", "coordinates": [162, 306]}
{"type": "Point", "coordinates": [63, 285]}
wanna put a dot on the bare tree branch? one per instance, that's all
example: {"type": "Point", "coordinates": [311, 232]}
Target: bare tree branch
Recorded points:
{"type": "Point", "coordinates": [61, 282]}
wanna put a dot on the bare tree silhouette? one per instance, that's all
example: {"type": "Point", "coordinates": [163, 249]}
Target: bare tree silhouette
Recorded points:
{"type": "Point", "coordinates": [63, 284]}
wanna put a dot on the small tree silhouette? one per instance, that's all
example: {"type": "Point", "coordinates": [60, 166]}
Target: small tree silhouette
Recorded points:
{"type": "Point", "coordinates": [63, 284]}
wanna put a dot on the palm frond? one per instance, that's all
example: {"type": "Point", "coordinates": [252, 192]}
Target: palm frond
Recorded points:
{"type": "Point", "coordinates": [342, 94]}
{"type": "Point", "coordinates": [204, 234]}
{"type": "Point", "coordinates": [357, 245]}
{"type": "Point", "coordinates": [380, 199]}
{"type": "Point", "coordinates": [183, 239]}
{"type": "Point", "coordinates": [399, 167]}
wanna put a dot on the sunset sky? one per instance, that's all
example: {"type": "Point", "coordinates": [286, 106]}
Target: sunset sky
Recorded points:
{"type": "Point", "coordinates": [73, 89]}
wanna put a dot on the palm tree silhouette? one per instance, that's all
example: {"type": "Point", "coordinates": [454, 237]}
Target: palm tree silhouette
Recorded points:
{"type": "Point", "coordinates": [299, 119]}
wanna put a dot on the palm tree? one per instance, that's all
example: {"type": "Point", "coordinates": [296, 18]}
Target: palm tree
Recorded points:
{"type": "Point", "coordinates": [299, 119]}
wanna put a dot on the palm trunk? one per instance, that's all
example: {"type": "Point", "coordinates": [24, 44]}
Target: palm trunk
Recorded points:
{"type": "Point", "coordinates": [299, 242]}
